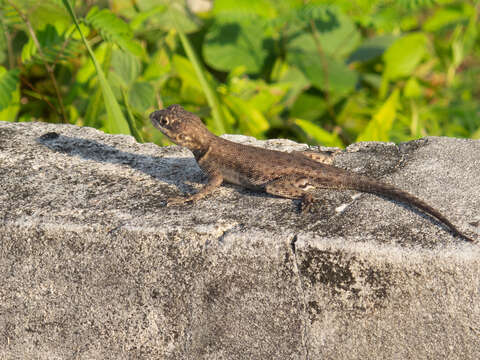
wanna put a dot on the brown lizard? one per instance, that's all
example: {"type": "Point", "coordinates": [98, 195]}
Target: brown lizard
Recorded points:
{"type": "Point", "coordinates": [288, 175]}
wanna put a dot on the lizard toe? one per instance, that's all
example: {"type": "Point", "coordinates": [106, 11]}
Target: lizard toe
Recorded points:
{"type": "Point", "coordinates": [307, 204]}
{"type": "Point", "coordinates": [176, 201]}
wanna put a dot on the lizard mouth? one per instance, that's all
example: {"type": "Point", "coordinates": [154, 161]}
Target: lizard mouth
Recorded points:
{"type": "Point", "coordinates": [155, 118]}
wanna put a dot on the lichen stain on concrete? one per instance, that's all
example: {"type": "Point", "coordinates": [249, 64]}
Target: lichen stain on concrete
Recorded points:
{"type": "Point", "coordinates": [354, 284]}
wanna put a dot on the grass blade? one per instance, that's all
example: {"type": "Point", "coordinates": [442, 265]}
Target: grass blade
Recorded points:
{"type": "Point", "coordinates": [116, 122]}
{"type": "Point", "coordinates": [210, 94]}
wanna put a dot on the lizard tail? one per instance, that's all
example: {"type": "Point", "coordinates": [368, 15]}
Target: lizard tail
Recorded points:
{"type": "Point", "coordinates": [376, 187]}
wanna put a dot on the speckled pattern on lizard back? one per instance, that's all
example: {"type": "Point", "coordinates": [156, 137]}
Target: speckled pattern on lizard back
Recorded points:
{"type": "Point", "coordinates": [289, 175]}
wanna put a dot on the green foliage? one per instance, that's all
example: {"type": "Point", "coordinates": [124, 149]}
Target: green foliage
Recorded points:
{"type": "Point", "coordinates": [54, 47]}
{"type": "Point", "coordinates": [115, 121]}
{"type": "Point", "coordinates": [381, 124]}
{"type": "Point", "coordinates": [212, 98]}
{"type": "Point", "coordinates": [8, 85]}
{"type": "Point", "coordinates": [231, 43]}
{"type": "Point", "coordinates": [319, 71]}
{"type": "Point", "coordinates": [113, 29]}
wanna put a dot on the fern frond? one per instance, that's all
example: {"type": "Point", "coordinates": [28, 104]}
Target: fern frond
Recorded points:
{"type": "Point", "coordinates": [416, 4]}
{"type": "Point", "coordinates": [8, 84]}
{"type": "Point", "coordinates": [8, 15]}
{"type": "Point", "coordinates": [55, 47]}
{"type": "Point", "coordinates": [112, 28]}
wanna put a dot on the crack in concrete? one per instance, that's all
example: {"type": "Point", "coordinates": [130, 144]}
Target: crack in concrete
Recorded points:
{"type": "Point", "coordinates": [293, 245]}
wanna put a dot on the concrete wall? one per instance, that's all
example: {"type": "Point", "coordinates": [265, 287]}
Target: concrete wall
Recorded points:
{"type": "Point", "coordinates": [94, 266]}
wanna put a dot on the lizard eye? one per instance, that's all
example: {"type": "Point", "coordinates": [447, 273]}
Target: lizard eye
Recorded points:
{"type": "Point", "coordinates": [164, 121]}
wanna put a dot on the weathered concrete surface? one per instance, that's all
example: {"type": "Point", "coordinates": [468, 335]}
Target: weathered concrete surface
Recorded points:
{"type": "Point", "coordinates": [93, 266]}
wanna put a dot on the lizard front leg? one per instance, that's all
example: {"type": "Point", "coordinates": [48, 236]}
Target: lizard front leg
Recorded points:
{"type": "Point", "coordinates": [293, 187]}
{"type": "Point", "coordinates": [215, 179]}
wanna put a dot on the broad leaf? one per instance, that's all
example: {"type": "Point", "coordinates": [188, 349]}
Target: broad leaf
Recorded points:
{"type": "Point", "coordinates": [324, 71]}
{"type": "Point", "coordinates": [126, 66]}
{"type": "Point", "coordinates": [378, 129]}
{"type": "Point", "coordinates": [169, 14]}
{"type": "Point", "coordinates": [308, 106]}
{"type": "Point", "coordinates": [372, 48]}
{"type": "Point", "coordinates": [250, 120]}
{"type": "Point", "coordinates": [264, 8]}
{"type": "Point", "coordinates": [230, 44]}
{"type": "Point", "coordinates": [335, 32]}
{"type": "Point", "coordinates": [320, 135]}
{"type": "Point", "coordinates": [404, 55]}
{"type": "Point", "coordinates": [8, 84]}
{"type": "Point", "coordinates": [142, 96]}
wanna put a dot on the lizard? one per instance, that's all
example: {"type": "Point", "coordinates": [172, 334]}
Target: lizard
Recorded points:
{"type": "Point", "coordinates": [289, 175]}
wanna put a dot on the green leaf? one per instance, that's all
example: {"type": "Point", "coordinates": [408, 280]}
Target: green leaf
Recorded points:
{"type": "Point", "coordinates": [229, 44]}
{"type": "Point", "coordinates": [412, 88]}
{"type": "Point", "coordinates": [113, 29]}
{"type": "Point", "coordinates": [402, 58]}
{"type": "Point", "coordinates": [8, 85]}
{"type": "Point", "coordinates": [138, 20]}
{"type": "Point", "coordinates": [308, 106]}
{"type": "Point", "coordinates": [297, 81]}
{"type": "Point", "coordinates": [126, 66]}
{"type": "Point", "coordinates": [116, 122]}
{"type": "Point", "coordinates": [264, 8]}
{"type": "Point", "coordinates": [416, 4]}
{"type": "Point", "coordinates": [103, 55]}
{"type": "Point", "coordinates": [55, 47]}
{"type": "Point", "coordinates": [336, 33]}
{"type": "Point", "coordinates": [42, 13]}
{"type": "Point", "coordinates": [476, 134]}
{"type": "Point", "coordinates": [159, 66]}
{"type": "Point", "coordinates": [320, 135]}
{"type": "Point", "coordinates": [251, 121]}
{"type": "Point", "coordinates": [372, 48]}
{"type": "Point", "coordinates": [186, 72]}
{"type": "Point", "coordinates": [191, 90]}
{"type": "Point", "coordinates": [10, 113]}
{"type": "Point", "coordinates": [378, 129]}
{"type": "Point", "coordinates": [3, 43]}
{"type": "Point", "coordinates": [174, 15]}
{"type": "Point", "coordinates": [142, 96]}
{"type": "Point", "coordinates": [355, 114]}
{"type": "Point", "coordinates": [210, 94]}
{"type": "Point", "coordinates": [267, 97]}
{"type": "Point", "coordinates": [448, 16]}
{"type": "Point", "coordinates": [9, 16]}
{"type": "Point", "coordinates": [321, 69]}
{"type": "Point", "coordinates": [131, 118]}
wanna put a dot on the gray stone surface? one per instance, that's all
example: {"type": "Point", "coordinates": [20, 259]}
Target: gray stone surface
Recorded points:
{"type": "Point", "coordinates": [93, 266]}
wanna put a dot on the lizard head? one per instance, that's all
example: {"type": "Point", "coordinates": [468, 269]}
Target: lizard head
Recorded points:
{"type": "Point", "coordinates": [181, 127]}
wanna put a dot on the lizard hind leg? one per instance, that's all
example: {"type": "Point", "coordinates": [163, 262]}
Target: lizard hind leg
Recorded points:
{"type": "Point", "coordinates": [323, 157]}
{"type": "Point", "coordinates": [293, 188]}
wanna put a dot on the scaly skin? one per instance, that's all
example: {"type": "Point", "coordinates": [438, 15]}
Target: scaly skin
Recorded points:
{"type": "Point", "coordinates": [288, 175]}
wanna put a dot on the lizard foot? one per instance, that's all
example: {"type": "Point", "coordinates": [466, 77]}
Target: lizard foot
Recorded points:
{"type": "Point", "coordinates": [307, 204]}
{"type": "Point", "coordinates": [177, 201]}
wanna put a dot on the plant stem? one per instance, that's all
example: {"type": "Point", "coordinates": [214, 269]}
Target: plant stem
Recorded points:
{"type": "Point", "coordinates": [8, 40]}
{"type": "Point", "coordinates": [210, 94]}
{"type": "Point", "coordinates": [41, 96]}
{"type": "Point", "coordinates": [48, 67]}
